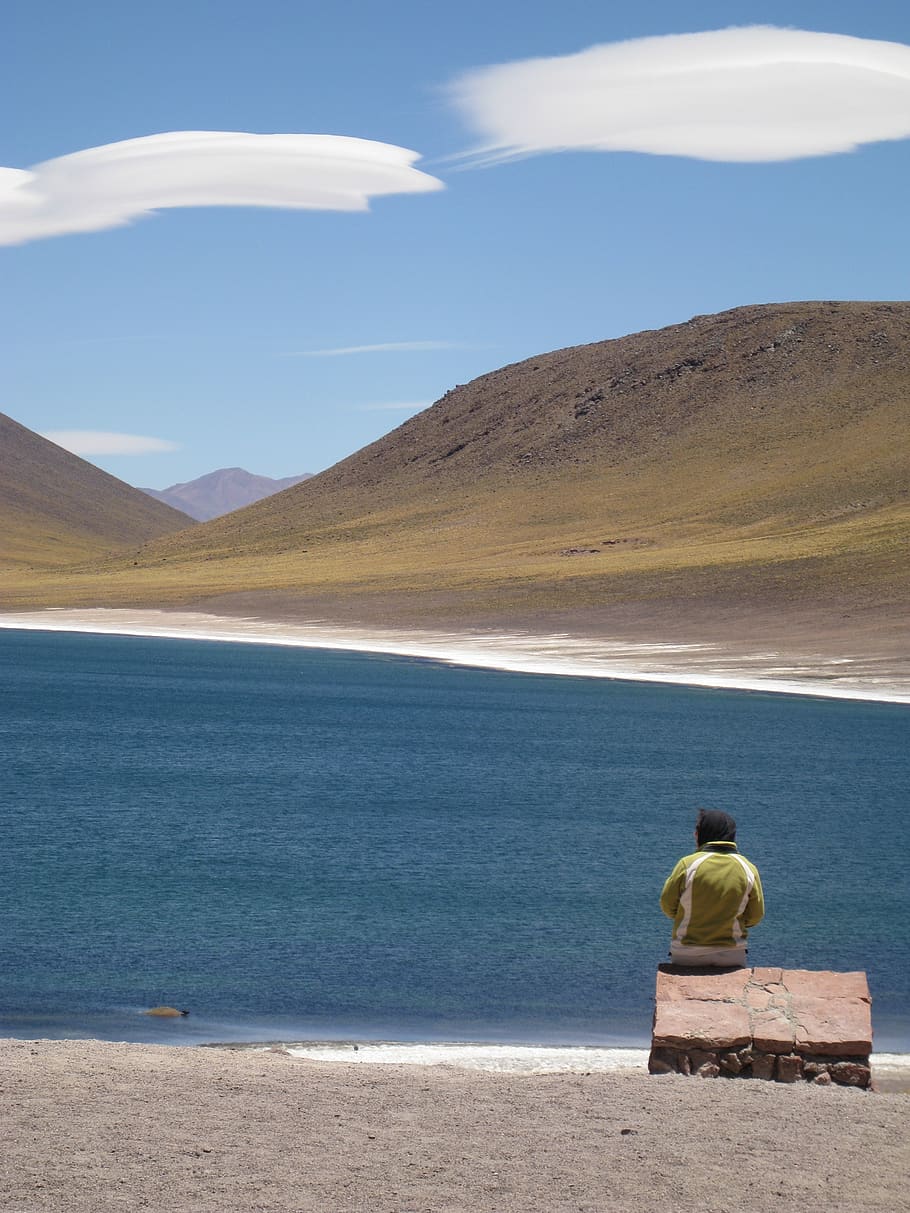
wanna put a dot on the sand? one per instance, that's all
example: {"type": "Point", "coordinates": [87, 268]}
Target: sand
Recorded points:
{"type": "Point", "coordinates": [805, 668]}
{"type": "Point", "coordinates": [89, 1127]}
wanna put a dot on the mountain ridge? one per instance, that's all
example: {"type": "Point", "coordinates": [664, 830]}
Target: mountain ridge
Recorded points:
{"type": "Point", "coordinates": [759, 455]}
{"type": "Point", "coordinates": [221, 492]}
{"type": "Point", "coordinates": [489, 414]}
{"type": "Point", "coordinates": [56, 508]}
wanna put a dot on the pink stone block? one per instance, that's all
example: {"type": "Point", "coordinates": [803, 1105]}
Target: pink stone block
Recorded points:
{"type": "Point", "coordinates": [705, 1025]}
{"type": "Point", "coordinates": [789, 1069]}
{"type": "Point", "coordinates": [824, 984]}
{"type": "Point", "coordinates": [662, 1061]}
{"type": "Point", "coordinates": [722, 986]}
{"type": "Point", "coordinates": [849, 1074]}
{"type": "Point", "coordinates": [788, 1016]}
{"type": "Point", "coordinates": [757, 998]}
{"type": "Point", "coordinates": [772, 1032]}
{"type": "Point", "coordinates": [837, 1027]}
{"type": "Point", "coordinates": [764, 977]}
{"type": "Point", "coordinates": [763, 1066]}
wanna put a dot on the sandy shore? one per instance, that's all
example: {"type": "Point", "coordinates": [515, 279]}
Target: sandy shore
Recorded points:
{"type": "Point", "coordinates": [90, 1126]}
{"type": "Point", "coordinates": [832, 674]}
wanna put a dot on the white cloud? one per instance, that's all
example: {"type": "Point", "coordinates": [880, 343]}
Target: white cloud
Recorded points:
{"type": "Point", "coordinates": [109, 186]}
{"type": "Point", "coordinates": [101, 442]}
{"type": "Point", "coordinates": [384, 348]}
{"type": "Point", "coordinates": [751, 94]}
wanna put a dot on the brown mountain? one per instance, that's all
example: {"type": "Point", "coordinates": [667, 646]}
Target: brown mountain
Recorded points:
{"type": "Point", "coordinates": [56, 509]}
{"type": "Point", "coordinates": [756, 459]}
{"type": "Point", "coordinates": [221, 492]}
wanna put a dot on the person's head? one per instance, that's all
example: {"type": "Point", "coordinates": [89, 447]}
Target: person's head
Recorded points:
{"type": "Point", "coordinates": [712, 825]}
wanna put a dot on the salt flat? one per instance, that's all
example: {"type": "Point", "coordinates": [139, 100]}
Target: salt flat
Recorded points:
{"type": "Point", "coordinates": [707, 664]}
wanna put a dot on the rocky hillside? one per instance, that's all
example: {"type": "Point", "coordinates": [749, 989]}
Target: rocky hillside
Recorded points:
{"type": "Point", "coordinates": [759, 455]}
{"type": "Point", "coordinates": [767, 396]}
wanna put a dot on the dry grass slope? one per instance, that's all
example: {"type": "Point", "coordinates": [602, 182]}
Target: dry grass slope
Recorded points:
{"type": "Point", "coordinates": [56, 508]}
{"type": "Point", "coordinates": [759, 456]}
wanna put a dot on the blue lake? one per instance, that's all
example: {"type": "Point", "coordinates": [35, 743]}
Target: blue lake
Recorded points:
{"type": "Point", "coordinates": [299, 844]}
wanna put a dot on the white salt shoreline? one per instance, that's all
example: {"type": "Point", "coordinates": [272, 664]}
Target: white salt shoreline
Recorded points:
{"type": "Point", "coordinates": [514, 1059]}
{"type": "Point", "coordinates": [696, 665]}
{"type": "Point", "coordinates": [511, 1059]}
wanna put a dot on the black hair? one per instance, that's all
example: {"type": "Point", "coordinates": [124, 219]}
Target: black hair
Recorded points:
{"type": "Point", "coordinates": [714, 826]}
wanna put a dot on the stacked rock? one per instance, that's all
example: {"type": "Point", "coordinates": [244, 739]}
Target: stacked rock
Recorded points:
{"type": "Point", "coordinates": [789, 1025]}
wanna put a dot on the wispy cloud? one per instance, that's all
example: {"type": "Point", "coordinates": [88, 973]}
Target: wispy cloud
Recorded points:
{"type": "Point", "coordinates": [752, 94]}
{"type": "Point", "coordinates": [385, 347]}
{"type": "Point", "coordinates": [102, 442]}
{"type": "Point", "coordinates": [413, 407]}
{"type": "Point", "coordinates": [109, 186]}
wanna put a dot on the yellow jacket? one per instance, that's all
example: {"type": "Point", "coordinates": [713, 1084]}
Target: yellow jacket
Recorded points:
{"type": "Point", "coordinates": [713, 897]}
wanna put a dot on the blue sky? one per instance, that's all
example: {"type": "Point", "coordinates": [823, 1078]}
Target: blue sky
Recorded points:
{"type": "Point", "coordinates": [202, 326]}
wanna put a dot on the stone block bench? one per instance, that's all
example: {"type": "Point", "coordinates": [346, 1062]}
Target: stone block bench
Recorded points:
{"type": "Point", "coordinates": [782, 1024]}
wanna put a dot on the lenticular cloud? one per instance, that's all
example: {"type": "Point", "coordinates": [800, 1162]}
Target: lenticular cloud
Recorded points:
{"type": "Point", "coordinates": [109, 186]}
{"type": "Point", "coordinates": [102, 442]}
{"type": "Point", "coordinates": [739, 94]}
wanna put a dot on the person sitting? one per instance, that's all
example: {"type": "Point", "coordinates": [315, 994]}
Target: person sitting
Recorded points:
{"type": "Point", "coordinates": [713, 896]}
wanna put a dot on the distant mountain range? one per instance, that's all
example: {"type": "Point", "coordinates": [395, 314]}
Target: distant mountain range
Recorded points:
{"type": "Point", "coordinates": [754, 459]}
{"type": "Point", "coordinates": [221, 492]}
{"type": "Point", "coordinates": [56, 509]}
